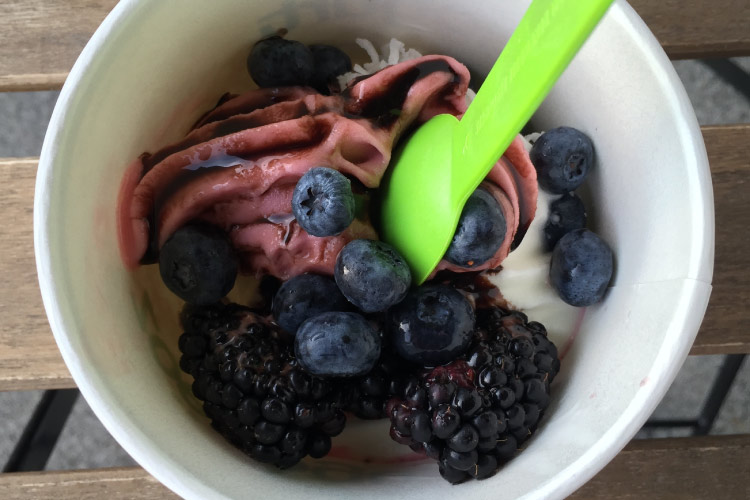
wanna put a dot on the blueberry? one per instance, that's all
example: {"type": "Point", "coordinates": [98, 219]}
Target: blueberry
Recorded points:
{"type": "Point", "coordinates": [481, 231]}
{"type": "Point", "coordinates": [372, 275]}
{"type": "Point", "coordinates": [562, 157]}
{"type": "Point", "coordinates": [305, 296]}
{"type": "Point", "coordinates": [323, 202]}
{"type": "Point", "coordinates": [432, 326]}
{"type": "Point", "coordinates": [329, 62]}
{"type": "Point", "coordinates": [198, 264]}
{"type": "Point", "coordinates": [581, 267]}
{"type": "Point", "coordinates": [337, 344]}
{"type": "Point", "coordinates": [275, 62]}
{"type": "Point", "coordinates": [565, 214]}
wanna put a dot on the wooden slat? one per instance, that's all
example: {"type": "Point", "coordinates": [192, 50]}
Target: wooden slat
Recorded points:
{"type": "Point", "coordinates": [675, 469]}
{"type": "Point", "coordinates": [131, 483]}
{"type": "Point", "coordinates": [667, 469]}
{"type": "Point", "coordinates": [694, 29]}
{"type": "Point", "coordinates": [29, 357]}
{"type": "Point", "coordinates": [40, 39]}
{"type": "Point", "coordinates": [725, 327]}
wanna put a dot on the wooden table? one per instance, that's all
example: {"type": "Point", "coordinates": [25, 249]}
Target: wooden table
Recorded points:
{"type": "Point", "coordinates": [40, 40]}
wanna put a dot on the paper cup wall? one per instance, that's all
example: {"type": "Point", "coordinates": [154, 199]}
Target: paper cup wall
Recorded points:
{"type": "Point", "coordinates": [153, 67]}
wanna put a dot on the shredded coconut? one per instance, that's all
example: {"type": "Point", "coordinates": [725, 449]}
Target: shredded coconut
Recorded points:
{"type": "Point", "coordinates": [393, 52]}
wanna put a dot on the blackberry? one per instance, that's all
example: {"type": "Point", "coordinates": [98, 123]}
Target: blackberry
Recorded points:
{"type": "Point", "coordinates": [473, 414]}
{"type": "Point", "coordinates": [252, 388]}
{"type": "Point", "coordinates": [366, 396]}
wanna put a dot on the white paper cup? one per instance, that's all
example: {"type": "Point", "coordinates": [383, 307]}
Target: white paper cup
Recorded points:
{"type": "Point", "coordinates": [153, 67]}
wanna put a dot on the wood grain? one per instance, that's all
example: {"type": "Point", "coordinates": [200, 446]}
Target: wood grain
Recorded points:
{"type": "Point", "coordinates": [41, 39]}
{"type": "Point", "coordinates": [694, 29]}
{"type": "Point", "coordinates": [130, 483]}
{"type": "Point", "coordinates": [675, 469]}
{"type": "Point", "coordinates": [725, 327]}
{"type": "Point", "coordinates": [29, 357]}
{"type": "Point", "coordinates": [667, 469]}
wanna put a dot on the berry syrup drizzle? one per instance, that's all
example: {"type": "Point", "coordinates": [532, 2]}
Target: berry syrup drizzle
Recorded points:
{"type": "Point", "coordinates": [476, 285]}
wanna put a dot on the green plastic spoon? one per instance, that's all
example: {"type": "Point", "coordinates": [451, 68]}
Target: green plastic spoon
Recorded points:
{"type": "Point", "coordinates": [442, 163]}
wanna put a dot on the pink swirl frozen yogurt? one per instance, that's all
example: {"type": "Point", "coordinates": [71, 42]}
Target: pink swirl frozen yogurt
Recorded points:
{"type": "Point", "coordinates": [239, 164]}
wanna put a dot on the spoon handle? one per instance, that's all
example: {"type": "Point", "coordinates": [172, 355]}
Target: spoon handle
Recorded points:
{"type": "Point", "coordinates": [548, 37]}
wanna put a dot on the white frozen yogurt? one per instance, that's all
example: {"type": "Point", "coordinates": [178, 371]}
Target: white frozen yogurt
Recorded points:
{"type": "Point", "coordinates": [524, 279]}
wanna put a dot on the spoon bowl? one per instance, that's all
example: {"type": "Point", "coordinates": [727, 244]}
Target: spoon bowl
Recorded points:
{"type": "Point", "coordinates": [442, 163]}
{"type": "Point", "coordinates": [433, 219]}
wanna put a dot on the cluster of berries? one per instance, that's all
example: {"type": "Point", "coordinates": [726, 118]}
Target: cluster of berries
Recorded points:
{"type": "Point", "coordinates": [464, 384]}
